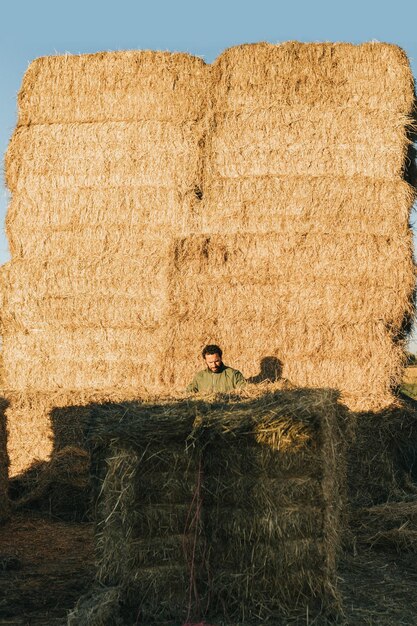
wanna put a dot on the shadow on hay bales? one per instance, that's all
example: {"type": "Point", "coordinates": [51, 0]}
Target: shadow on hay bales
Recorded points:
{"type": "Point", "coordinates": [4, 463]}
{"type": "Point", "coordinates": [59, 487]}
{"type": "Point", "coordinates": [270, 371]}
{"type": "Point", "coordinates": [382, 458]}
{"type": "Point", "coordinates": [382, 479]}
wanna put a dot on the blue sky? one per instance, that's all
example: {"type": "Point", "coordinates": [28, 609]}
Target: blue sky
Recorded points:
{"type": "Point", "coordinates": [29, 29]}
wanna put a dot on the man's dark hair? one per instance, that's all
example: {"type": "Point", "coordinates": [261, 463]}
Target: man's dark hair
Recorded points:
{"type": "Point", "coordinates": [212, 349]}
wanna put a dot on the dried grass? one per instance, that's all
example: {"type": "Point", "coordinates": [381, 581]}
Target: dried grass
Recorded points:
{"type": "Point", "coordinates": [304, 216]}
{"type": "Point", "coordinates": [159, 203]}
{"type": "Point", "coordinates": [228, 508]}
{"type": "Point", "coordinates": [4, 465]}
{"type": "Point", "coordinates": [44, 567]}
{"type": "Point", "coordinates": [382, 455]}
{"type": "Point", "coordinates": [88, 278]}
{"type": "Point", "coordinates": [388, 526]}
{"type": "Point", "coordinates": [41, 424]}
{"type": "Point", "coordinates": [59, 487]}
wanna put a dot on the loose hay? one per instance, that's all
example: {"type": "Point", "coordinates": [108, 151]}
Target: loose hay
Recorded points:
{"type": "Point", "coordinates": [228, 509]}
{"type": "Point", "coordinates": [44, 567]}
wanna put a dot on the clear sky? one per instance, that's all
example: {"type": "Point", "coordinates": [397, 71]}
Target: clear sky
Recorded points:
{"type": "Point", "coordinates": [32, 28]}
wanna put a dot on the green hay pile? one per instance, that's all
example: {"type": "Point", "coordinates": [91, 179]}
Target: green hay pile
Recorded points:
{"type": "Point", "coordinates": [227, 509]}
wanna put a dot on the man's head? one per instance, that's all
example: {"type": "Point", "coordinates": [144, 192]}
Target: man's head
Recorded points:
{"type": "Point", "coordinates": [212, 355]}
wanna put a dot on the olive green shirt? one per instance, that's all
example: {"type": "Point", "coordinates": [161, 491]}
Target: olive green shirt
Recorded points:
{"type": "Point", "coordinates": [207, 381]}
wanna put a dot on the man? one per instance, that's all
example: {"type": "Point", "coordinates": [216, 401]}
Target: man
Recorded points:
{"type": "Point", "coordinates": [216, 377]}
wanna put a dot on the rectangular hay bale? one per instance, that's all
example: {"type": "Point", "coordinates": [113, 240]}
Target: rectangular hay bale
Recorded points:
{"type": "Point", "coordinates": [227, 510]}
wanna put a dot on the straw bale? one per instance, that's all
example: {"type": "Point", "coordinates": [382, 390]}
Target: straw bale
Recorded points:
{"type": "Point", "coordinates": [391, 525]}
{"type": "Point", "coordinates": [227, 508]}
{"type": "Point", "coordinates": [112, 153]}
{"type": "Point", "coordinates": [77, 322]}
{"type": "Point", "coordinates": [382, 456]}
{"type": "Point", "coordinates": [112, 86]}
{"type": "Point", "coordinates": [371, 75]}
{"type": "Point", "coordinates": [323, 339]}
{"type": "Point", "coordinates": [260, 203]}
{"type": "Point", "coordinates": [84, 359]}
{"type": "Point", "coordinates": [313, 204]}
{"type": "Point", "coordinates": [59, 487]}
{"type": "Point", "coordinates": [4, 464]}
{"type": "Point", "coordinates": [41, 424]}
{"type": "Point", "coordinates": [39, 222]}
{"type": "Point", "coordinates": [101, 182]}
{"type": "Point", "coordinates": [266, 144]}
{"type": "Point", "coordinates": [302, 267]}
{"type": "Point", "coordinates": [283, 515]}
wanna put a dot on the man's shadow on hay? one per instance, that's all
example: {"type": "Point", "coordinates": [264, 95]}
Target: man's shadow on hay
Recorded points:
{"type": "Point", "coordinates": [270, 371]}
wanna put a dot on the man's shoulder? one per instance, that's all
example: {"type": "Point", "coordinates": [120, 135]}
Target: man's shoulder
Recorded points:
{"type": "Point", "coordinates": [201, 373]}
{"type": "Point", "coordinates": [231, 370]}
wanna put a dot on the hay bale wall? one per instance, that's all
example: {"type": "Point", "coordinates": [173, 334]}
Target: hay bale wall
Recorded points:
{"type": "Point", "coordinates": [4, 463]}
{"type": "Point", "coordinates": [306, 252]}
{"type": "Point", "coordinates": [102, 167]}
{"type": "Point", "coordinates": [41, 424]}
{"type": "Point", "coordinates": [159, 203]}
{"type": "Point", "coordinates": [228, 511]}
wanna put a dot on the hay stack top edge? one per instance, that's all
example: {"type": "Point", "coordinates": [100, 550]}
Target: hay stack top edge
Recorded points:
{"type": "Point", "coordinates": [349, 63]}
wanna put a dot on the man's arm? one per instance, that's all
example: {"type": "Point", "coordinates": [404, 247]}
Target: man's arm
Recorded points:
{"type": "Point", "coordinates": [193, 386]}
{"type": "Point", "coordinates": [239, 379]}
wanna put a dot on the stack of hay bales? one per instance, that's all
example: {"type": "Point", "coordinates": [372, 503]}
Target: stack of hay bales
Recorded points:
{"type": "Point", "coordinates": [160, 204]}
{"type": "Point", "coordinates": [228, 509]}
{"type": "Point", "coordinates": [305, 252]}
{"type": "Point", "coordinates": [102, 168]}
{"type": "Point", "coordinates": [4, 462]}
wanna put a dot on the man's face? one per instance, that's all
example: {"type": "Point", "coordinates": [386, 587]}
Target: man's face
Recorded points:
{"type": "Point", "coordinates": [214, 362]}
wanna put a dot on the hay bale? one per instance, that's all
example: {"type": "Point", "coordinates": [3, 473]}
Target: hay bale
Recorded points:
{"type": "Point", "coordinates": [98, 191]}
{"type": "Point", "coordinates": [305, 218]}
{"type": "Point", "coordinates": [141, 181]}
{"type": "Point", "coordinates": [59, 487]}
{"type": "Point", "coordinates": [111, 86]}
{"type": "Point", "coordinates": [41, 424]}
{"type": "Point", "coordinates": [227, 509]}
{"type": "Point", "coordinates": [4, 464]}
{"type": "Point", "coordinates": [382, 455]}
{"type": "Point", "coordinates": [382, 472]}
{"type": "Point", "coordinates": [392, 525]}
{"type": "Point", "coordinates": [272, 497]}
